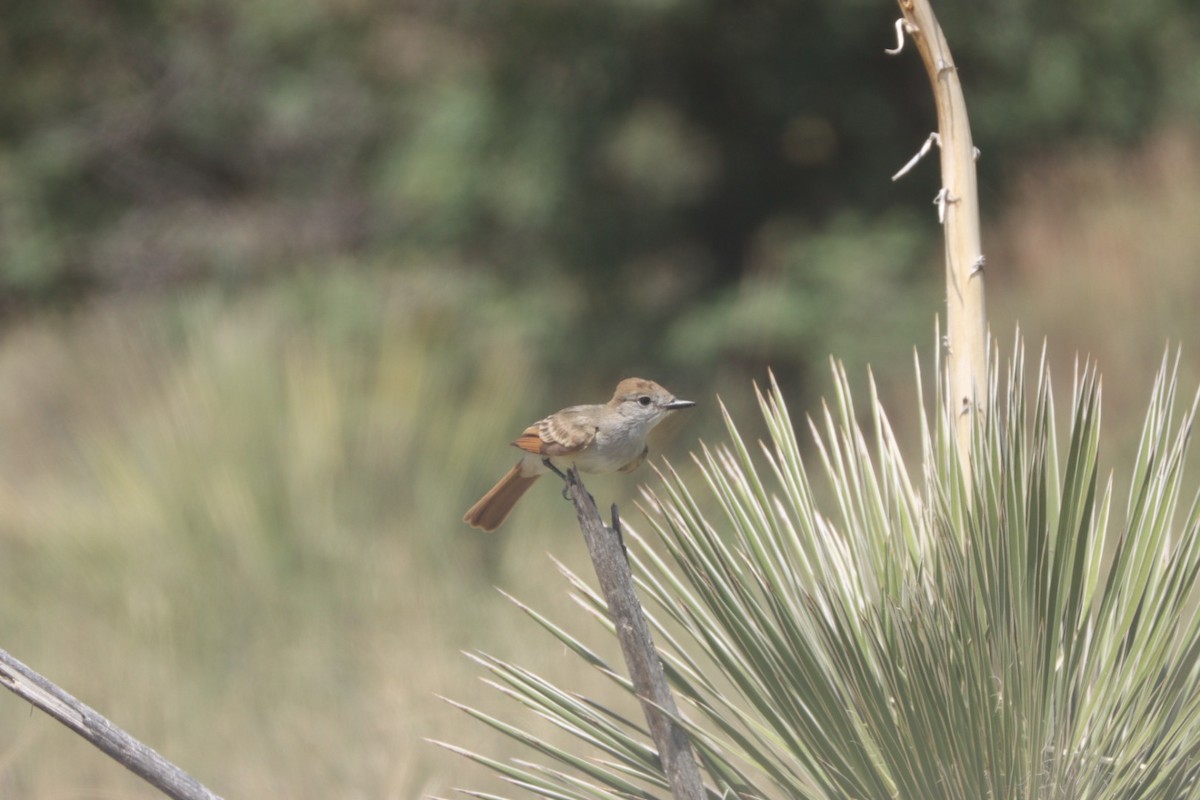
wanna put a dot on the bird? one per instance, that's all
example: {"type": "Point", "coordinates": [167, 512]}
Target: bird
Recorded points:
{"type": "Point", "coordinates": [609, 437]}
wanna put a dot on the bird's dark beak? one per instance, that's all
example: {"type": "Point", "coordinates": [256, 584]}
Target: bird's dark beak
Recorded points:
{"type": "Point", "coordinates": [675, 405]}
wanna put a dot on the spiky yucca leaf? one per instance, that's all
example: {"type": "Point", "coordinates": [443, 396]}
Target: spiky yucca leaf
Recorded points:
{"type": "Point", "coordinates": [882, 634]}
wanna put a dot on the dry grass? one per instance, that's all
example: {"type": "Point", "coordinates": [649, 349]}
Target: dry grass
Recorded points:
{"type": "Point", "coordinates": [234, 528]}
{"type": "Point", "coordinates": [1099, 253]}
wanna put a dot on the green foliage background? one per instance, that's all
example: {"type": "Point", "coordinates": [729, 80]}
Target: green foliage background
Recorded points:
{"type": "Point", "coordinates": [278, 281]}
{"type": "Point", "coordinates": [635, 160]}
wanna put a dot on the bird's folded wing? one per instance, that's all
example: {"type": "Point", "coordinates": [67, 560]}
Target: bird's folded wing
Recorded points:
{"type": "Point", "coordinates": [561, 434]}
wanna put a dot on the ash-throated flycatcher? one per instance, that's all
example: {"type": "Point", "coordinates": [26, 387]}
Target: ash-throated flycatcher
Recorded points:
{"type": "Point", "coordinates": [602, 438]}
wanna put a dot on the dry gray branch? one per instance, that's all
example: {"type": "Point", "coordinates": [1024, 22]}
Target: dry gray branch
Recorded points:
{"type": "Point", "coordinates": [111, 740]}
{"type": "Point", "coordinates": [607, 550]}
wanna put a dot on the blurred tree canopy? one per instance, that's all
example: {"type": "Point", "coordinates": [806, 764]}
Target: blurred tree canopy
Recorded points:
{"type": "Point", "coordinates": [660, 168]}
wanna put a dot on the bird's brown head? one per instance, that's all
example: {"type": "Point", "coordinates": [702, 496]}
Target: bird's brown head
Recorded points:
{"type": "Point", "coordinates": [640, 397]}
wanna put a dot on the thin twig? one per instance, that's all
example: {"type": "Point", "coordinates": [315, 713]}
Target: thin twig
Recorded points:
{"type": "Point", "coordinates": [903, 26]}
{"type": "Point", "coordinates": [607, 549]}
{"type": "Point", "coordinates": [930, 141]}
{"type": "Point", "coordinates": [111, 740]}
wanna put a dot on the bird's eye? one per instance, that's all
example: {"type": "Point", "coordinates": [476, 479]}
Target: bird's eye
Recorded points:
{"type": "Point", "coordinates": [644, 400]}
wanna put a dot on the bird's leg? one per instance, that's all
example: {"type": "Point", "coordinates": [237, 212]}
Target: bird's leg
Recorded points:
{"type": "Point", "coordinates": [548, 464]}
{"type": "Point", "coordinates": [566, 487]}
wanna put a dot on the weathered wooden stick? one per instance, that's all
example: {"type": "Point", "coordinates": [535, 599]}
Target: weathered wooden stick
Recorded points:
{"type": "Point", "coordinates": [607, 550]}
{"type": "Point", "coordinates": [111, 740]}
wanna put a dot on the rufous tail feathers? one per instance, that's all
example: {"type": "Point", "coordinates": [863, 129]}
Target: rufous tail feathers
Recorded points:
{"type": "Point", "coordinates": [494, 507]}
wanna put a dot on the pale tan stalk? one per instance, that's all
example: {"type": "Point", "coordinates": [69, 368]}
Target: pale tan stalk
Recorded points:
{"type": "Point", "coordinates": [958, 205]}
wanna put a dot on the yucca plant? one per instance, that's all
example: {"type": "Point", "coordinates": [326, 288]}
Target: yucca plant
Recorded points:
{"type": "Point", "coordinates": [910, 634]}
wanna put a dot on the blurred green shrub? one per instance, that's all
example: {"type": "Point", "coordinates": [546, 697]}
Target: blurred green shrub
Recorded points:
{"type": "Point", "coordinates": [812, 290]}
{"type": "Point", "coordinates": [267, 431]}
